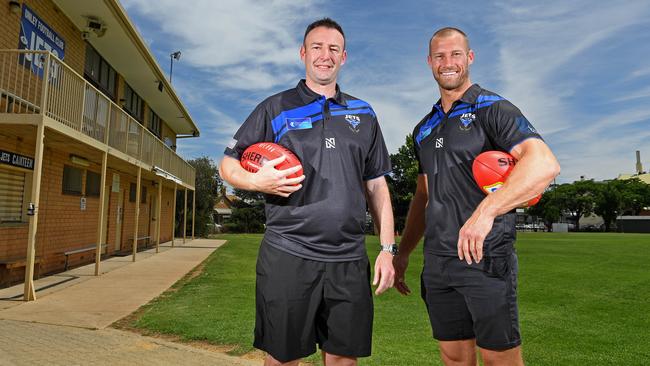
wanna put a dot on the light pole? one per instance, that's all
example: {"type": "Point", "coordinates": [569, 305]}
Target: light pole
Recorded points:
{"type": "Point", "coordinates": [173, 56]}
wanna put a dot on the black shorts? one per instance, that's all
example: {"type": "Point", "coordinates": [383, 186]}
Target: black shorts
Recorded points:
{"type": "Point", "coordinates": [472, 301]}
{"type": "Point", "coordinates": [301, 303]}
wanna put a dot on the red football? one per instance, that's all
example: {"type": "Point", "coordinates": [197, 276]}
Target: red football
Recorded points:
{"type": "Point", "coordinates": [258, 154]}
{"type": "Point", "coordinates": [492, 168]}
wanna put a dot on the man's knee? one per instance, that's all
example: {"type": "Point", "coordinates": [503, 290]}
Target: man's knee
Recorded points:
{"type": "Point", "coordinates": [336, 360]}
{"type": "Point", "coordinates": [270, 361]}
{"type": "Point", "coordinates": [458, 353]}
{"type": "Point", "coordinates": [509, 357]}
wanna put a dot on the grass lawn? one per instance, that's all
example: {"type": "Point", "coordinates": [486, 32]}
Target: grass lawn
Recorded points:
{"type": "Point", "coordinates": [584, 299]}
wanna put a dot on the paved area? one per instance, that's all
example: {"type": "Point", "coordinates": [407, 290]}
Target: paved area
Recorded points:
{"type": "Point", "coordinates": [67, 324]}
{"type": "Point", "coordinates": [24, 343]}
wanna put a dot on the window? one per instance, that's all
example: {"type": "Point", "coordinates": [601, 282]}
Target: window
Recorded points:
{"type": "Point", "coordinates": [12, 192]}
{"type": "Point", "coordinates": [143, 195]}
{"type": "Point", "coordinates": [99, 72]}
{"type": "Point", "coordinates": [132, 191]}
{"type": "Point", "coordinates": [133, 103]}
{"type": "Point", "coordinates": [72, 180]}
{"type": "Point", "coordinates": [93, 184]}
{"type": "Point", "coordinates": [154, 123]}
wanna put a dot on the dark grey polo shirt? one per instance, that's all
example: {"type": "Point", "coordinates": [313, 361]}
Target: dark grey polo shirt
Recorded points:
{"type": "Point", "coordinates": [446, 145]}
{"type": "Point", "coordinates": [340, 145]}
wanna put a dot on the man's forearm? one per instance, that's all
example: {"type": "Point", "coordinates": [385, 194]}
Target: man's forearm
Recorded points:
{"type": "Point", "coordinates": [415, 225]}
{"type": "Point", "coordinates": [232, 172]}
{"type": "Point", "coordinates": [535, 170]}
{"type": "Point", "coordinates": [381, 210]}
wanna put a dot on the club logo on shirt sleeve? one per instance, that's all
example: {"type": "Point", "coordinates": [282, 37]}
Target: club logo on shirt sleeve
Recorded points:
{"type": "Point", "coordinates": [354, 122]}
{"type": "Point", "coordinates": [525, 126]}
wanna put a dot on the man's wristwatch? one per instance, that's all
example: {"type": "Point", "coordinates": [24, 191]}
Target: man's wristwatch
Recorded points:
{"type": "Point", "coordinates": [390, 248]}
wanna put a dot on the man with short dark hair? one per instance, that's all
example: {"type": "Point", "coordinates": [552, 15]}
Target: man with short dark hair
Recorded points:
{"type": "Point", "coordinates": [472, 301]}
{"type": "Point", "coordinates": [313, 275]}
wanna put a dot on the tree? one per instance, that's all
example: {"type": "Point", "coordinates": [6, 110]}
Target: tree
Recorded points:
{"type": "Point", "coordinates": [402, 181]}
{"type": "Point", "coordinates": [620, 197]}
{"type": "Point", "coordinates": [248, 213]}
{"type": "Point", "coordinates": [248, 196]}
{"type": "Point", "coordinates": [578, 199]}
{"type": "Point", "coordinates": [549, 208]}
{"type": "Point", "coordinates": [608, 203]}
{"type": "Point", "coordinates": [247, 218]}
{"type": "Point", "coordinates": [635, 195]}
{"type": "Point", "coordinates": [207, 186]}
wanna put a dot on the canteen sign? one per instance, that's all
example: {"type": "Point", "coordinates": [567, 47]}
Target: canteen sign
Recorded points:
{"type": "Point", "coordinates": [36, 35]}
{"type": "Point", "coordinates": [13, 159]}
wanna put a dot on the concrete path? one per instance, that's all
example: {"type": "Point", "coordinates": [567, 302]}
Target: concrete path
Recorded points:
{"type": "Point", "coordinates": [67, 324]}
{"type": "Point", "coordinates": [100, 301]}
{"type": "Point", "coordinates": [23, 343]}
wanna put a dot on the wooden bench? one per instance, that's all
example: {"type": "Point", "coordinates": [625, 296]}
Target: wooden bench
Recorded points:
{"type": "Point", "coordinates": [10, 264]}
{"type": "Point", "coordinates": [70, 252]}
{"type": "Point", "coordinates": [146, 239]}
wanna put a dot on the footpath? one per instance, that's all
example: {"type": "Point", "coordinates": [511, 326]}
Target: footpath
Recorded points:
{"type": "Point", "coordinates": [68, 323]}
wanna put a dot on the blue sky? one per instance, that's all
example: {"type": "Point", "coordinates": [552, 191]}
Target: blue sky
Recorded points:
{"type": "Point", "coordinates": [579, 70]}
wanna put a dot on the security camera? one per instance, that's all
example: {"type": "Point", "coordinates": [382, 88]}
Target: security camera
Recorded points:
{"type": "Point", "coordinates": [94, 25]}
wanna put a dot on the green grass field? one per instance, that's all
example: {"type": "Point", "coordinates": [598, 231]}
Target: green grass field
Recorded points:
{"type": "Point", "coordinates": [584, 300]}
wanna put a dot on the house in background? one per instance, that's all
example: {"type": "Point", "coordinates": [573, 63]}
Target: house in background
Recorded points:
{"type": "Point", "coordinates": [223, 207]}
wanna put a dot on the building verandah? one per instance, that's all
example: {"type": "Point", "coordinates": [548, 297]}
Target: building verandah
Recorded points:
{"type": "Point", "coordinates": [90, 173]}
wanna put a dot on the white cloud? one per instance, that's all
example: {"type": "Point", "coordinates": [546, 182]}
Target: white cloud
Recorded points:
{"type": "Point", "coordinates": [547, 58]}
{"type": "Point", "coordinates": [217, 35]}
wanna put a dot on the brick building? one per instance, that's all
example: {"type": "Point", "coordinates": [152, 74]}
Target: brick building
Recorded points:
{"type": "Point", "coordinates": [88, 131]}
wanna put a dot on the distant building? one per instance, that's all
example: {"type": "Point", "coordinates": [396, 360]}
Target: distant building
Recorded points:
{"type": "Point", "coordinates": [223, 207]}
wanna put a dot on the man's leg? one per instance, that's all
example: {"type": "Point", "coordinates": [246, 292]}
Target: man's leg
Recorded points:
{"type": "Point", "coordinates": [450, 318]}
{"type": "Point", "coordinates": [458, 353]}
{"type": "Point", "coordinates": [510, 357]}
{"type": "Point", "coordinates": [491, 292]}
{"type": "Point", "coordinates": [334, 360]}
{"type": "Point", "coordinates": [344, 321]}
{"type": "Point", "coordinates": [270, 361]}
{"type": "Point", "coordinates": [286, 305]}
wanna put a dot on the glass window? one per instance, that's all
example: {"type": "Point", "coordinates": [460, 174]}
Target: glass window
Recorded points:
{"type": "Point", "coordinates": [93, 184]}
{"type": "Point", "coordinates": [132, 191]}
{"type": "Point", "coordinates": [72, 178]}
{"type": "Point", "coordinates": [132, 103]}
{"type": "Point", "coordinates": [12, 191]}
{"type": "Point", "coordinates": [98, 72]}
{"type": "Point", "coordinates": [154, 123]}
{"type": "Point", "coordinates": [143, 195]}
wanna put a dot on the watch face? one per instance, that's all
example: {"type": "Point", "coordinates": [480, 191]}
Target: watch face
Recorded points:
{"type": "Point", "coordinates": [392, 249]}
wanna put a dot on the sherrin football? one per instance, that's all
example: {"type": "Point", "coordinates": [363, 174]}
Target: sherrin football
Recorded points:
{"type": "Point", "coordinates": [492, 168]}
{"type": "Point", "coordinates": [258, 154]}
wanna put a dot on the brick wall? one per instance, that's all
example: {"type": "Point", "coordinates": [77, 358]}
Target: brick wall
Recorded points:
{"type": "Point", "coordinates": [63, 225]}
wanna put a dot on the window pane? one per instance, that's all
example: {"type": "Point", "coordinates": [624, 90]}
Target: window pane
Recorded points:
{"type": "Point", "coordinates": [132, 192]}
{"type": "Point", "coordinates": [111, 83]}
{"type": "Point", "coordinates": [12, 188]}
{"type": "Point", "coordinates": [143, 195]}
{"type": "Point", "coordinates": [93, 184]}
{"type": "Point", "coordinates": [103, 75]}
{"type": "Point", "coordinates": [72, 180]}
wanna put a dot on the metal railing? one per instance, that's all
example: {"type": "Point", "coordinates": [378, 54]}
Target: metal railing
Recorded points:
{"type": "Point", "coordinates": [37, 82]}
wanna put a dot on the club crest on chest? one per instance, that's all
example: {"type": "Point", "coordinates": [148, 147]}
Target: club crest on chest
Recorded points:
{"type": "Point", "coordinates": [353, 121]}
{"type": "Point", "coordinates": [466, 120]}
